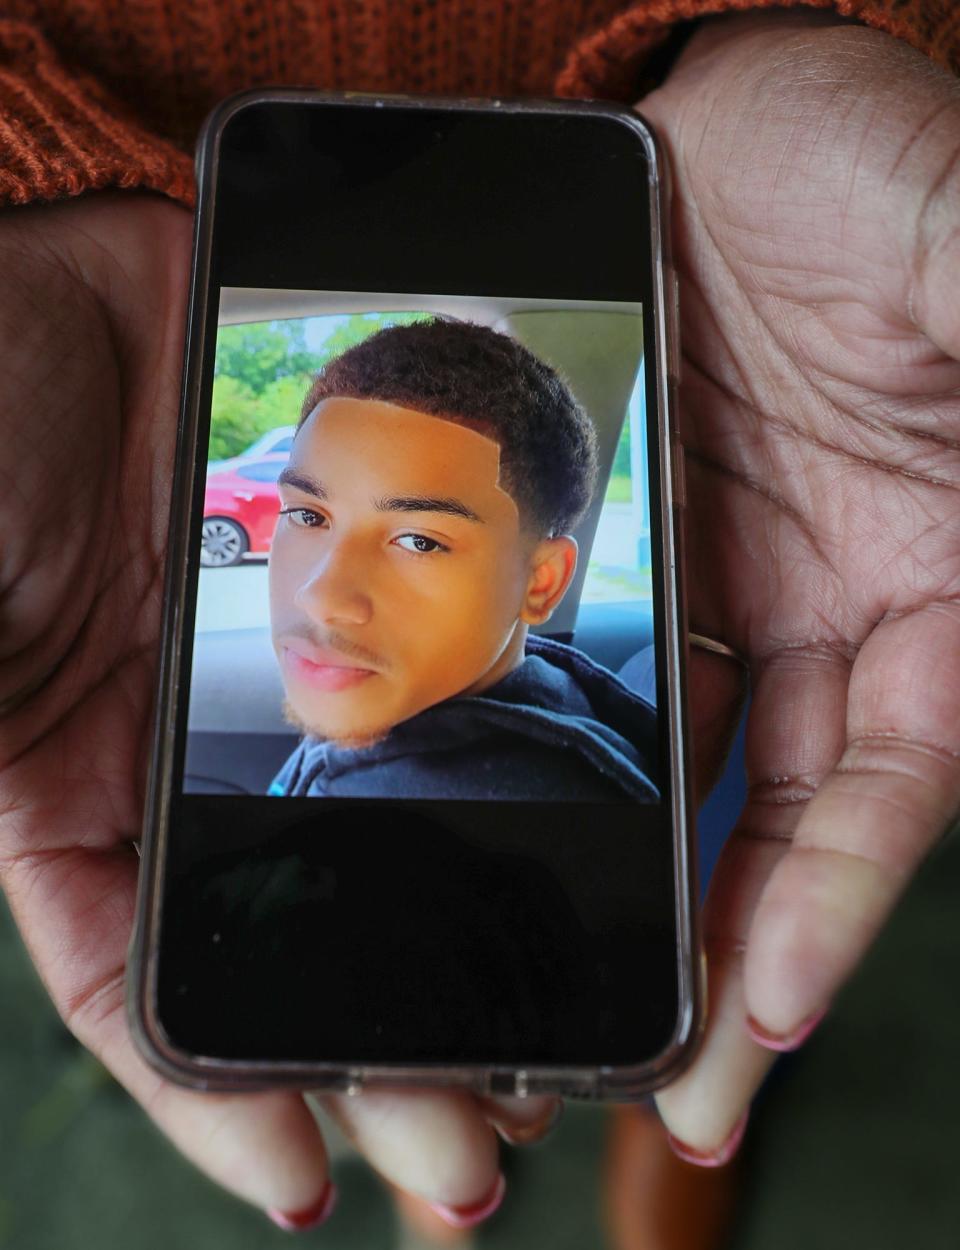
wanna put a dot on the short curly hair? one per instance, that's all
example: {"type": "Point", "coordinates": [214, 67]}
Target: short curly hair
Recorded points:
{"type": "Point", "coordinates": [477, 377]}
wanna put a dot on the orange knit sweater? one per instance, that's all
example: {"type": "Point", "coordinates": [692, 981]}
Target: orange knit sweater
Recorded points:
{"type": "Point", "coordinates": [110, 93]}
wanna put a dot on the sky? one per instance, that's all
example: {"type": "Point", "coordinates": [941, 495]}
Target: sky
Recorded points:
{"type": "Point", "coordinates": [318, 329]}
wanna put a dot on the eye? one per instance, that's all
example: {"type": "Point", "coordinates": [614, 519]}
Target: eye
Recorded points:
{"type": "Point", "coordinates": [304, 518]}
{"type": "Point", "coordinates": [420, 544]}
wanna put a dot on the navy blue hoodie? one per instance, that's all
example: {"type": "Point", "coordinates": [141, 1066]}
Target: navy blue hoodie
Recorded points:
{"type": "Point", "coordinates": [559, 727]}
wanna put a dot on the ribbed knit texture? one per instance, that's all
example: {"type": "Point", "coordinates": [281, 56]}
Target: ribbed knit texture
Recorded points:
{"type": "Point", "coordinates": [110, 93]}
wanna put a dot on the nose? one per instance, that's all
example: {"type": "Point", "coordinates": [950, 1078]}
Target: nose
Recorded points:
{"type": "Point", "coordinates": [333, 592]}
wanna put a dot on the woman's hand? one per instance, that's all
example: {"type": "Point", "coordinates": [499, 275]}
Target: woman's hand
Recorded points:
{"type": "Point", "coordinates": [817, 238]}
{"type": "Point", "coordinates": [92, 306]}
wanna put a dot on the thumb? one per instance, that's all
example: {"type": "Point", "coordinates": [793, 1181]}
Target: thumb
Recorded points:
{"type": "Point", "coordinates": [933, 236]}
{"type": "Point", "coordinates": [75, 909]}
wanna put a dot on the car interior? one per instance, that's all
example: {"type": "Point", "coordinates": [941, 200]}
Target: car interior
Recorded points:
{"type": "Point", "coordinates": [237, 737]}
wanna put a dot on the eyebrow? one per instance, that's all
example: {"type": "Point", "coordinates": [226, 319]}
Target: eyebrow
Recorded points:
{"type": "Point", "coordinates": [392, 503]}
{"type": "Point", "coordinates": [426, 503]}
{"type": "Point", "coordinates": [302, 481]}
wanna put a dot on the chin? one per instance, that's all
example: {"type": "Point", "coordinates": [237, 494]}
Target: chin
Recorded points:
{"type": "Point", "coordinates": [355, 738]}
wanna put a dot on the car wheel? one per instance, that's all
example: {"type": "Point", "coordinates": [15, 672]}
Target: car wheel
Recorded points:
{"type": "Point", "coordinates": [222, 542]}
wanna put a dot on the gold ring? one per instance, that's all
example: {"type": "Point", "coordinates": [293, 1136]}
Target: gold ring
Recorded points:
{"type": "Point", "coordinates": [718, 648]}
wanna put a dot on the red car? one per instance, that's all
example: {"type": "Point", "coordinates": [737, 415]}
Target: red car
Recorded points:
{"type": "Point", "coordinates": [240, 510]}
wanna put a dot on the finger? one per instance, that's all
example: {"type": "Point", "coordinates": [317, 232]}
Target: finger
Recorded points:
{"type": "Point", "coordinates": [923, 191]}
{"type": "Point", "coordinates": [521, 1121]}
{"type": "Point", "coordinates": [794, 736]}
{"type": "Point", "coordinates": [889, 798]}
{"type": "Point", "coordinates": [75, 910]}
{"type": "Point", "coordinates": [704, 1110]}
{"type": "Point", "coordinates": [432, 1143]}
{"type": "Point", "coordinates": [424, 1222]}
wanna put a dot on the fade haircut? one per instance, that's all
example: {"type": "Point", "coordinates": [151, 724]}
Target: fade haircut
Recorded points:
{"type": "Point", "coordinates": [477, 377]}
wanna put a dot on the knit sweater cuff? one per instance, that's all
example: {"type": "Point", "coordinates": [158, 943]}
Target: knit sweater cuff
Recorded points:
{"type": "Point", "coordinates": [61, 133]}
{"type": "Point", "coordinates": [614, 62]}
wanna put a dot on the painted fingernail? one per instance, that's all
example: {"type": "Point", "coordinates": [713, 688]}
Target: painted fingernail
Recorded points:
{"type": "Point", "coordinates": [477, 1212]}
{"type": "Point", "coordinates": [309, 1217]}
{"type": "Point", "coordinates": [711, 1158]}
{"type": "Point", "coordinates": [528, 1134]}
{"type": "Point", "coordinates": [783, 1041]}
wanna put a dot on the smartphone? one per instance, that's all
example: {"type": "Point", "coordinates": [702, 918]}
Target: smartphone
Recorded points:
{"type": "Point", "coordinates": [419, 808]}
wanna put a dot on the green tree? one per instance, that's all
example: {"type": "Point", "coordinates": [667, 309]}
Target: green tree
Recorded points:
{"type": "Point", "coordinates": [233, 420]}
{"type": "Point", "coordinates": [239, 416]}
{"type": "Point", "coordinates": [259, 352]}
{"type": "Point", "coordinates": [619, 489]}
{"type": "Point", "coordinates": [621, 459]}
{"type": "Point", "coordinates": [359, 326]}
{"type": "Point", "coordinates": [264, 370]}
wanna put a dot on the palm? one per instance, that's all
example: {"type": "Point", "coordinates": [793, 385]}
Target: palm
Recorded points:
{"type": "Point", "coordinates": [93, 313]}
{"type": "Point", "coordinates": [824, 413]}
{"type": "Point", "coordinates": [820, 415]}
{"type": "Point", "coordinates": [89, 401]}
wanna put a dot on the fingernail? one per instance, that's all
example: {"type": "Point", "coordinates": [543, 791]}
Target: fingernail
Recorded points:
{"type": "Point", "coordinates": [711, 1158]}
{"type": "Point", "coordinates": [477, 1212]}
{"type": "Point", "coordinates": [783, 1041]}
{"type": "Point", "coordinates": [528, 1134]}
{"type": "Point", "coordinates": [310, 1217]}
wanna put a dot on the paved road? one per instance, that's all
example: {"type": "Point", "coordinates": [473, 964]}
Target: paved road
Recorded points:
{"type": "Point", "coordinates": [234, 598]}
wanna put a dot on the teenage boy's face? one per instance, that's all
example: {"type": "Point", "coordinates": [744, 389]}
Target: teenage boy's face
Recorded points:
{"type": "Point", "coordinates": [400, 574]}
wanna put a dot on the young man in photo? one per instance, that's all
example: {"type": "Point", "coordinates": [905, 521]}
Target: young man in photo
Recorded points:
{"type": "Point", "coordinates": [425, 521]}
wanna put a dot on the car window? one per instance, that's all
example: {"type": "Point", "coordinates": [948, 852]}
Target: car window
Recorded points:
{"type": "Point", "coordinates": [619, 565]}
{"type": "Point", "coordinates": [265, 471]}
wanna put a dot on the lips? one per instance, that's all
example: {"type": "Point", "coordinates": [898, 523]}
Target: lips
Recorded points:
{"type": "Point", "coordinates": [321, 668]}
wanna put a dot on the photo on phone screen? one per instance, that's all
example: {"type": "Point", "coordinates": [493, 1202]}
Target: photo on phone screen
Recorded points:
{"type": "Point", "coordinates": [425, 554]}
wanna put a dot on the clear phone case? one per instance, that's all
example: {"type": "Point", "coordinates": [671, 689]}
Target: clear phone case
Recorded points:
{"type": "Point", "coordinates": [610, 1082]}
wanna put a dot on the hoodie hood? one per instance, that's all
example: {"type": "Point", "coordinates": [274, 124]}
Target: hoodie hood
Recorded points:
{"type": "Point", "coordinates": [557, 700]}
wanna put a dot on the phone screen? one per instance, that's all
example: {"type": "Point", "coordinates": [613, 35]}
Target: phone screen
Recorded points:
{"type": "Point", "coordinates": [422, 788]}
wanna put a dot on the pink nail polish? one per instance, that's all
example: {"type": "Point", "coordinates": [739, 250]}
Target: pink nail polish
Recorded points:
{"type": "Point", "coordinates": [711, 1158]}
{"type": "Point", "coordinates": [309, 1217]}
{"type": "Point", "coordinates": [474, 1214]}
{"type": "Point", "coordinates": [783, 1041]}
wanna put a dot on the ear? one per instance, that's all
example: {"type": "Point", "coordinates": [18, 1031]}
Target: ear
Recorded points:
{"type": "Point", "coordinates": [553, 564]}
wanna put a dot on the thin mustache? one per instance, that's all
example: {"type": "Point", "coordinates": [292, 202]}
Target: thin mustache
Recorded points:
{"type": "Point", "coordinates": [340, 643]}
